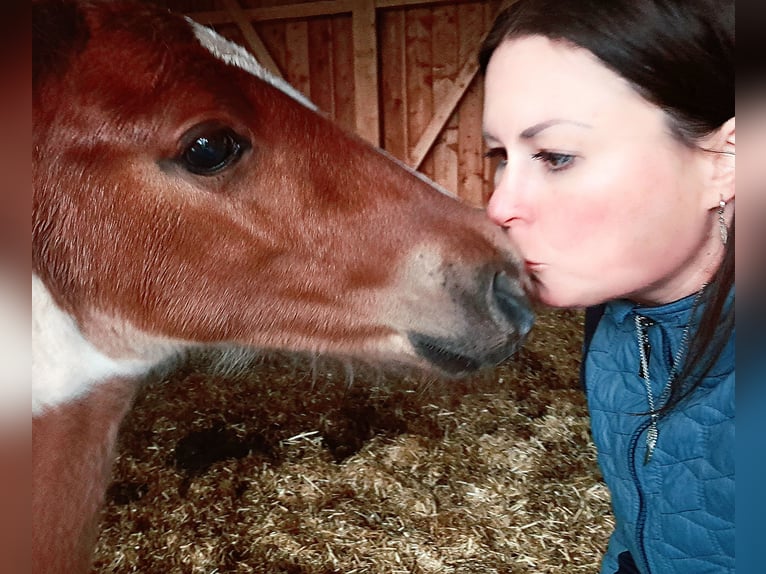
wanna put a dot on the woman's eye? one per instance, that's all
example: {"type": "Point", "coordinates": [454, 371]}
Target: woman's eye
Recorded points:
{"type": "Point", "coordinates": [497, 153]}
{"type": "Point", "coordinates": [210, 152]}
{"type": "Point", "coordinates": [555, 161]}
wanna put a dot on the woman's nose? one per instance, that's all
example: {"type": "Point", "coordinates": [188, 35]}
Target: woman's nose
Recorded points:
{"type": "Point", "coordinates": [505, 204]}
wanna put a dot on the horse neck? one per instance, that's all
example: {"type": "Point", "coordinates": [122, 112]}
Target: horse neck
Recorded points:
{"type": "Point", "coordinates": [79, 399]}
{"type": "Point", "coordinates": [69, 483]}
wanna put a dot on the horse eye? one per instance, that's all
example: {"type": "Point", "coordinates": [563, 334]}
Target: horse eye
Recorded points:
{"type": "Point", "coordinates": [212, 151]}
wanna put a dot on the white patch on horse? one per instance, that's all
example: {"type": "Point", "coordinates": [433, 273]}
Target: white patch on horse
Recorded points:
{"type": "Point", "coordinates": [65, 365]}
{"type": "Point", "coordinates": [236, 55]}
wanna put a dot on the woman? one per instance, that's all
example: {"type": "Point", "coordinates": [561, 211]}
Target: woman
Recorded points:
{"type": "Point", "coordinates": [613, 125]}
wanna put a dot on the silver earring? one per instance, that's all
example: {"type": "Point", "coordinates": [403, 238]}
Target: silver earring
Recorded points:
{"type": "Point", "coordinates": [722, 222]}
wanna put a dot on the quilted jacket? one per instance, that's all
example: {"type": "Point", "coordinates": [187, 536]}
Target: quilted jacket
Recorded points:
{"type": "Point", "coordinates": [674, 514]}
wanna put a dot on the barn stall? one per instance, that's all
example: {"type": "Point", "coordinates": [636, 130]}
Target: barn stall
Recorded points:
{"type": "Point", "coordinates": [311, 465]}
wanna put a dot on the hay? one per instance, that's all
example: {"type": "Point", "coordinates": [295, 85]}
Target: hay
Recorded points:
{"type": "Point", "coordinates": [291, 469]}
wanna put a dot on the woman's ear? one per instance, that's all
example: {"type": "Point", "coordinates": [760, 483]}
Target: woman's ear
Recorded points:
{"type": "Point", "coordinates": [722, 154]}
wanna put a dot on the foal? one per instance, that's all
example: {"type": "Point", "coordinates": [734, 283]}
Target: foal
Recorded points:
{"type": "Point", "coordinates": [183, 197]}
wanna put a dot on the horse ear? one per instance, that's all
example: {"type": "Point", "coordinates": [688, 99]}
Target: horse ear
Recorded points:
{"type": "Point", "coordinates": [58, 31]}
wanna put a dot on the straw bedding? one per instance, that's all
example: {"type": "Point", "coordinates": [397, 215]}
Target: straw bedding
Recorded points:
{"type": "Point", "coordinates": [309, 466]}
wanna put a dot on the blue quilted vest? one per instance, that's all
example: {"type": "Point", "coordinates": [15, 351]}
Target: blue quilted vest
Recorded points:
{"type": "Point", "coordinates": [675, 514]}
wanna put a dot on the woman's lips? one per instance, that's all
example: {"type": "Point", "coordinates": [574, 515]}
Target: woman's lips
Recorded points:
{"type": "Point", "coordinates": [532, 265]}
{"type": "Point", "coordinates": [533, 277]}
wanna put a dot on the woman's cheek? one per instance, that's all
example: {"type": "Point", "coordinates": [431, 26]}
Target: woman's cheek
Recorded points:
{"type": "Point", "coordinates": [573, 227]}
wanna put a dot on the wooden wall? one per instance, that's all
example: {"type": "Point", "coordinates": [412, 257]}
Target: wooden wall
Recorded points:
{"type": "Point", "coordinates": [401, 73]}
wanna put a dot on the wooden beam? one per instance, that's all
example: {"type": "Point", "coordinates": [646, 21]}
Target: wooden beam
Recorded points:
{"type": "Point", "coordinates": [443, 112]}
{"type": "Point", "coordinates": [473, 22]}
{"type": "Point", "coordinates": [297, 58]}
{"type": "Point", "coordinates": [393, 84]}
{"type": "Point", "coordinates": [304, 10]}
{"type": "Point", "coordinates": [300, 10]}
{"type": "Point", "coordinates": [445, 40]}
{"type": "Point", "coordinates": [412, 3]}
{"type": "Point", "coordinates": [366, 99]}
{"type": "Point", "coordinates": [254, 42]}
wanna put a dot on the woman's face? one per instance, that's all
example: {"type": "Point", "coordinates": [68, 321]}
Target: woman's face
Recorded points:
{"type": "Point", "coordinates": [601, 199]}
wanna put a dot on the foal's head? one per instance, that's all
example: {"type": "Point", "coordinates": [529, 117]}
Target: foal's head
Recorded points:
{"type": "Point", "coordinates": [182, 196]}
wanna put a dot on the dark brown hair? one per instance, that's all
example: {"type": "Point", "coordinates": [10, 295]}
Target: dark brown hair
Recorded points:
{"type": "Point", "coordinates": [678, 55]}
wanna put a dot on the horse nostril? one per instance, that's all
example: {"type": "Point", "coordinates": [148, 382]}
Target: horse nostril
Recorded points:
{"type": "Point", "coordinates": [509, 299]}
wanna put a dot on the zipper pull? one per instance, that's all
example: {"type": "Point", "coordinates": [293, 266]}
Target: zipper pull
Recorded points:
{"type": "Point", "coordinates": [645, 323]}
{"type": "Point", "coordinates": [652, 434]}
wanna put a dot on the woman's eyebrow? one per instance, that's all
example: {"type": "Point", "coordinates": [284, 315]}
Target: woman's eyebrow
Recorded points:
{"type": "Point", "coordinates": [537, 128]}
{"type": "Point", "coordinates": [532, 131]}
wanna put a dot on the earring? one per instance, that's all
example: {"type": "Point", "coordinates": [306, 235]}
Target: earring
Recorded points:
{"type": "Point", "coordinates": [722, 222]}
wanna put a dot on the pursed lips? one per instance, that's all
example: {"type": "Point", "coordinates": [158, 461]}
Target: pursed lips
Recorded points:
{"type": "Point", "coordinates": [532, 265]}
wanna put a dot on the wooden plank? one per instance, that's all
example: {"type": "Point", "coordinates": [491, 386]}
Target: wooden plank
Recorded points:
{"type": "Point", "coordinates": [419, 79]}
{"type": "Point", "coordinates": [415, 3]}
{"type": "Point", "coordinates": [444, 41]}
{"type": "Point", "coordinates": [321, 61]}
{"type": "Point", "coordinates": [253, 40]}
{"type": "Point", "coordinates": [470, 146]}
{"type": "Point", "coordinates": [297, 70]}
{"type": "Point", "coordinates": [343, 72]}
{"type": "Point", "coordinates": [273, 36]}
{"type": "Point", "coordinates": [364, 36]}
{"type": "Point", "coordinates": [394, 82]}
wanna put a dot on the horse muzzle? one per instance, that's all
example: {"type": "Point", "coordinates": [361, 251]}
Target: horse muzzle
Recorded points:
{"type": "Point", "coordinates": [487, 334]}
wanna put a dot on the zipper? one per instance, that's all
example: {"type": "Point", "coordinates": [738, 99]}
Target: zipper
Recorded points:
{"type": "Point", "coordinates": [641, 519]}
{"type": "Point", "coordinates": [643, 336]}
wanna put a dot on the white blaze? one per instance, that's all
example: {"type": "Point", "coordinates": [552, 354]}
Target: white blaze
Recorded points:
{"type": "Point", "coordinates": [235, 55]}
